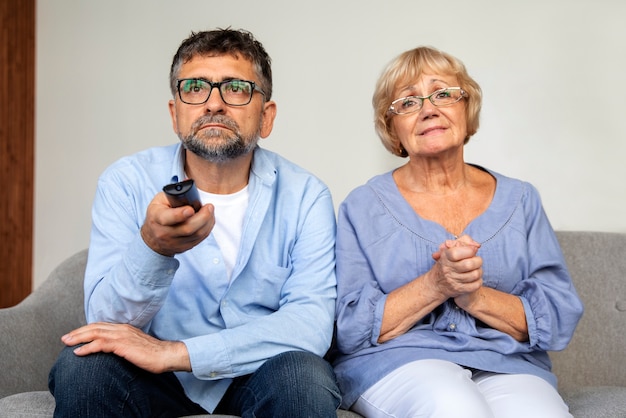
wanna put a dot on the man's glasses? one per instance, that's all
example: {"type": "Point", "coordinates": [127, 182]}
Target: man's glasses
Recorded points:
{"type": "Point", "coordinates": [197, 91]}
{"type": "Point", "coordinates": [442, 97]}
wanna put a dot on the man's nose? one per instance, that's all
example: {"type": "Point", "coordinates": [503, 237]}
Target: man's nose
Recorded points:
{"type": "Point", "coordinates": [215, 103]}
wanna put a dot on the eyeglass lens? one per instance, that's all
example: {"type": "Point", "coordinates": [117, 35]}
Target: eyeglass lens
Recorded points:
{"type": "Point", "coordinates": [442, 97]}
{"type": "Point", "coordinates": [233, 92]}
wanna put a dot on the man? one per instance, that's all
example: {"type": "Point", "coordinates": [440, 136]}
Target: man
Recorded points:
{"type": "Point", "coordinates": [225, 310]}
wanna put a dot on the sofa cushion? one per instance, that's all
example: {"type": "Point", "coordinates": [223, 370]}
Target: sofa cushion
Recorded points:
{"type": "Point", "coordinates": [27, 404]}
{"type": "Point", "coordinates": [586, 402]}
{"type": "Point", "coordinates": [597, 401]}
{"type": "Point", "coordinates": [41, 404]}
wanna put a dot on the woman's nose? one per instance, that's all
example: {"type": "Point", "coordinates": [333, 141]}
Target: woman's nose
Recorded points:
{"type": "Point", "coordinates": [428, 109]}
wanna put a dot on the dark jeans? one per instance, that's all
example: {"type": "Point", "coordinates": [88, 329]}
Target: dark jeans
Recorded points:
{"type": "Point", "coordinates": [292, 384]}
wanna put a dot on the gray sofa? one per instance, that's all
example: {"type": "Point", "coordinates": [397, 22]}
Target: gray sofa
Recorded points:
{"type": "Point", "coordinates": [591, 371]}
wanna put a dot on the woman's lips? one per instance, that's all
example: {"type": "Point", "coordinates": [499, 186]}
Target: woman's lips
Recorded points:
{"type": "Point", "coordinates": [432, 129]}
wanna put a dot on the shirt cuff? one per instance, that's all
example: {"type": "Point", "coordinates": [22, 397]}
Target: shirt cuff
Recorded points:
{"type": "Point", "coordinates": [209, 357]}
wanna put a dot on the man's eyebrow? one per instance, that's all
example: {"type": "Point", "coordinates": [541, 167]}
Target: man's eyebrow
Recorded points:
{"type": "Point", "coordinates": [195, 78]}
{"type": "Point", "coordinates": [201, 78]}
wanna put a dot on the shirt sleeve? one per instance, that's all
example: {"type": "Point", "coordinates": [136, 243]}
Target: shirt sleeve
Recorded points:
{"type": "Point", "coordinates": [125, 281]}
{"type": "Point", "coordinates": [551, 303]}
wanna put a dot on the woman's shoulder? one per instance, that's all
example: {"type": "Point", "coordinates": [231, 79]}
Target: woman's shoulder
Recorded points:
{"type": "Point", "coordinates": [512, 194]}
{"type": "Point", "coordinates": [379, 185]}
{"type": "Point", "coordinates": [507, 183]}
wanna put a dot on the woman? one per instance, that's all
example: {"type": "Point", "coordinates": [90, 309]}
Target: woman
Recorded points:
{"type": "Point", "coordinates": [451, 283]}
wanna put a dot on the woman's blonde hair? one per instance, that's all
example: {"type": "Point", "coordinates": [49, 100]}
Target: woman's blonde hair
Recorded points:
{"type": "Point", "coordinates": [408, 67]}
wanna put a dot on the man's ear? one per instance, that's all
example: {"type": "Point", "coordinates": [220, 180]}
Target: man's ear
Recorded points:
{"type": "Point", "coordinates": [269, 114]}
{"type": "Point", "coordinates": [172, 108]}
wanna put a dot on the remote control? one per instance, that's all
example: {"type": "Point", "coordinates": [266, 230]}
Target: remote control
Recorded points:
{"type": "Point", "coordinates": [183, 193]}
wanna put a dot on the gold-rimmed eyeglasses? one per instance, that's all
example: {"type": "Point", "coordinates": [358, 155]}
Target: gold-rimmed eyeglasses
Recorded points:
{"type": "Point", "coordinates": [441, 97]}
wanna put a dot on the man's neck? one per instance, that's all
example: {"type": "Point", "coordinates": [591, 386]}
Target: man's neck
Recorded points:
{"type": "Point", "coordinates": [219, 178]}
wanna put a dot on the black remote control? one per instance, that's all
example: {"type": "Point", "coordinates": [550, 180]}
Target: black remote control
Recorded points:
{"type": "Point", "coordinates": [183, 193]}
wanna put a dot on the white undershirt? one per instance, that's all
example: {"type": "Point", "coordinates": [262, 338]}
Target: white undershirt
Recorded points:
{"type": "Point", "coordinates": [230, 210]}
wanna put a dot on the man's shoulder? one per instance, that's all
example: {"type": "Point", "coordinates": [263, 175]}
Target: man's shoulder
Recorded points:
{"type": "Point", "coordinates": [146, 159]}
{"type": "Point", "coordinates": [266, 157]}
{"type": "Point", "coordinates": [151, 155]}
{"type": "Point", "coordinates": [271, 164]}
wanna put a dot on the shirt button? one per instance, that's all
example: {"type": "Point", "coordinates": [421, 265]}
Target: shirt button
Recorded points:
{"type": "Point", "coordinates": [213, 374]}
{"type": "Point", "coordinates": [216, 260]}
{"type": "Point", "coordinates": [452, 327]}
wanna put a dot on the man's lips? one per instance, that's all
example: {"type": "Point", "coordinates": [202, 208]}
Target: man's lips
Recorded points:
{"type": "Point", "coordinates": [212, 126]}
{"type": "Point", "coordinates": [214, 122]}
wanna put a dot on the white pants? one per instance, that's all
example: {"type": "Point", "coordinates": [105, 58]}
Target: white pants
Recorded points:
{"type": "Point", "coordinates": [440, 389]}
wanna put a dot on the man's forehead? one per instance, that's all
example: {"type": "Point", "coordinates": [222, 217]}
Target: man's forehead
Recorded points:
{"type": "Point", "coordinates": [218, 55]}
{"type": "Point", "coordinates": [218, 65]}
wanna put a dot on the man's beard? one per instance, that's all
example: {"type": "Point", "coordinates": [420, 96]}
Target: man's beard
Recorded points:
{"type": "Point", "coordinates": [219, 145]}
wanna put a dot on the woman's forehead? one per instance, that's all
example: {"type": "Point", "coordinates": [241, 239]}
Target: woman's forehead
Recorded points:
{"type": "Point", "coordinates": [428, 78]}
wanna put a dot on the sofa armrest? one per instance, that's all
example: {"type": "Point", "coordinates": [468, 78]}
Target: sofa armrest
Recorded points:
{"type": "Point", "coordinates": [595, 356]}
{"type": "Point", "coordinates": [32, 329]}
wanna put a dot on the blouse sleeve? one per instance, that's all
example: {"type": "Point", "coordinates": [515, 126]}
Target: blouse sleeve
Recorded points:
{"type": "Point", "coordinates": [551, 303]}
{"type": "Point", "coordinates": [360, 301]}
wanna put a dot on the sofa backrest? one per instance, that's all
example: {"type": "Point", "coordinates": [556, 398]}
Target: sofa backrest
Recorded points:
{"type": "Point", "coordinates": [30, 332]}
{"type": "Point", "coordinates": [596, 356]}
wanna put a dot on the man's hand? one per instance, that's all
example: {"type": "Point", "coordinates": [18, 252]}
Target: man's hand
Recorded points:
{"type": "Point", "coordinates": [132, 344]}
{"type": "Point", "coordinates": [170, 231]}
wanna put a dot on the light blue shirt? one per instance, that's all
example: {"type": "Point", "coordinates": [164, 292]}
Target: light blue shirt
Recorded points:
{"type": "Point", "coordinates": [383, 244]}
{"type": "Point", "coordinates": [282, 293]}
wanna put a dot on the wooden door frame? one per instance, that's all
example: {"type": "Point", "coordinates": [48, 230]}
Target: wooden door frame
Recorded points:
{"type": "Point", "coordinates": [17, 143]}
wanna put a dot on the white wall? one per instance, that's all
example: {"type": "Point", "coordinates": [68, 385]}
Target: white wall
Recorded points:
{"type": "Point", "coordinates": [552, 73]}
